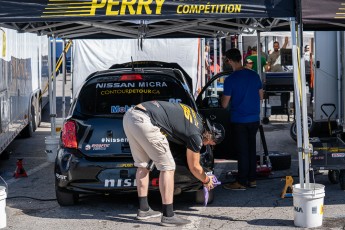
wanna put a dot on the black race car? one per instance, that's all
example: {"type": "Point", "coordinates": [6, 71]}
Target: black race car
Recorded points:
{"type": "Point", "coordinates": [94, 156]}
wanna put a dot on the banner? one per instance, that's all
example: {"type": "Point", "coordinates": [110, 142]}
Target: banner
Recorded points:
{"type": "Point", "coordinates": [91, 10]}
{"type": "Point", "coordinates": [323, 11]}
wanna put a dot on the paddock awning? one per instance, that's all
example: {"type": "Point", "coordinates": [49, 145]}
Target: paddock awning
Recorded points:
{"type": "Point", "coordinates": [145, 18]}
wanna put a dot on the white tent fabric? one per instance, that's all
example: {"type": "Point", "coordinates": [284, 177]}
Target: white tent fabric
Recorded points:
{"type": "Point", "coordinates": [94, 55]}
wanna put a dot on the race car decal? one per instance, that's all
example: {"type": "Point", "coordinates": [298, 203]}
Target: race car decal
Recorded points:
{"type": "Point", "coordinates": [60, 177]}
{"type": "Point", "coordinates": [120, 109]}
{"type": "Point", "coordinates": [144, 84]}
{"type": "Point", "coordinates": [111, 183]}
{"type": "Point", "coordinates": [175, 100]}
{"type": "Point", "coordinates": [129, 91]}
{"type": "Point", "coordinates": [114, 140]}
{"type": "Point", "coordinates": [97, 146]}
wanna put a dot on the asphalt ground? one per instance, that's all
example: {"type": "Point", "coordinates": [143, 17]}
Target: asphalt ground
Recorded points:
{"type": "Point", "coordinates": [31, 202]}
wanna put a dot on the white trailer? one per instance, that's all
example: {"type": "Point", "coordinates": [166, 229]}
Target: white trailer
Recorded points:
{"type": "Point", "coordinates": [23, 78]}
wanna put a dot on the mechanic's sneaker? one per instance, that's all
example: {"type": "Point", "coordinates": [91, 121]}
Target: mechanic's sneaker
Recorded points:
{"type": "Point", "coordinates": [144, 215]}
{"type": "Point", "coordinates": [234, 186]}
{"type": "Point", "coordinates": [174, 221]}
{"type": "Point", "coordinates": [252, 184]}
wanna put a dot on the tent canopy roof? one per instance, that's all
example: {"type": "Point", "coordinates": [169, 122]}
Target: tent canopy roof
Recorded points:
{"type": "Point", "coordinates": [165, 18]}
{"type": "Point", "coordinates": [145, 18]}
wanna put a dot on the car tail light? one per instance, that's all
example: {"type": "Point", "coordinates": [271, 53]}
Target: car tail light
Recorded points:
{"type": "Point", "coordinates": [69, 135]}
{"type": "Point", "coordinates": [131, 77]}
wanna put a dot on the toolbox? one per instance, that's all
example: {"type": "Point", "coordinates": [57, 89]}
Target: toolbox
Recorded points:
{"type": "Point", "coordinates": [328, 153]}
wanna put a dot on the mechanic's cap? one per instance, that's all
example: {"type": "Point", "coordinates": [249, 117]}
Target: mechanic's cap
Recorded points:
{"type": "Point", "coordinates": [217, 131]}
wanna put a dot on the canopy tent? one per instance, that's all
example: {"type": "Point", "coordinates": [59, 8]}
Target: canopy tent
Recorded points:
{"type": "Point", "coordinates": [139, 19]}
{"type": "Point", "coordinates": [323, 15]}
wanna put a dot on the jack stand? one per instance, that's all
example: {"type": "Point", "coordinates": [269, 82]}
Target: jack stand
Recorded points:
{"type": "Point", "coordinates": [20, 171]}
{"type": "Point", "coordinates": [287, 190]}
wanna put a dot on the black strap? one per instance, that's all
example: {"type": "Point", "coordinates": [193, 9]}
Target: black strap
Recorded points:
{"type": "Point", "coordinates": [140, 109]}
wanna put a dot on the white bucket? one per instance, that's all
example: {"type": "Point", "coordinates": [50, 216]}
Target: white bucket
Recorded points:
{"type": "Point", "coordinates": [308, 205]}
{"type": "Point", "coordinates": [58, 125]}
{"type": "Point", "coordinates": [3, 196]}
{"type": "Point", "coordinates": [52, 145]}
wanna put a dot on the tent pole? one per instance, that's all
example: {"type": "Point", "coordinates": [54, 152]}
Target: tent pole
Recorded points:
{"type": "Point", "coordinates": [297, 101]}
{"type": "Point", "coordinates": [220, 54]}
{"type": "Point", "coordinates": [63, 77]}
{"type": "Point", "coordinates": [50, 91]}
{"type": "Point", "coordinates": [53, 115]}
{"type": "Point", "coordinates": [306, 143]}
{"type": "Point", "coordinates": [203, 61]}
{"type": "Point", "coordinates": [258, 51]}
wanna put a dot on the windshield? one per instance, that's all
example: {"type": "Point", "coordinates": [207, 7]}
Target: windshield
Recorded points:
{"type": "Point", "coordinates": [116, 97]}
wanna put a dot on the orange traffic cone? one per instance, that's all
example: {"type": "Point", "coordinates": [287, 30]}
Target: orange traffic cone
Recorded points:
{"type": "Point", "coordinates": [20, 171]}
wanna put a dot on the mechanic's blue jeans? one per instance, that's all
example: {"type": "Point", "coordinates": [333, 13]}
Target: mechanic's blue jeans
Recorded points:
{"type": "Point", "coordinates": [244, 135]}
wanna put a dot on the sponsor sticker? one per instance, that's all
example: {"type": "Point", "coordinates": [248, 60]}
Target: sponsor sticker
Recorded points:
{"type": "Point", "coordinates": [111, 85]}
{"type": "Point", "coordinates": [338, 154]}
{"type": "Point", "coordinates": [114, 140]}
{"type": "Point", "coordinates": [60, 177]}
{"type": "Point", "coordinates": [97, 146]}
{"type": "Point", "coordinates": [111, 183]}
{"type": "Point", "coordinates": [120, 109]}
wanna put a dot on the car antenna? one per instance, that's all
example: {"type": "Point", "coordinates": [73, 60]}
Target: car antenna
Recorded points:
{"type": "Point", "coordinates": [132, 64]}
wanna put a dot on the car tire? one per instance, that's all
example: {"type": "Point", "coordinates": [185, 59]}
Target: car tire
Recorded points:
{"type": "Point", "coordinates": [280, 160]}
{"type": "Point", "coordinates": [200, 198]}
{"type": "Point", "coordinates": [293, 128]}
{"type": "Point", "coordinates": [66, 198]}
{"type": "Point", "coordinates": [342, 179]}
{"type": "Point", "coordinates": [29, 128]}
{"type": "Point", "coordinates": [333, 176]}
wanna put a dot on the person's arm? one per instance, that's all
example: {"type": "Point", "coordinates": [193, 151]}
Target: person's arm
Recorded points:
{"type": "Point", "coordinates": [285, 43]}
{"type": "Point", "coordinates": [261, 93]}
{"type": "Point", "coordinates": [225, 101]}
{"type": "Point", "coordinates": [193, 160]}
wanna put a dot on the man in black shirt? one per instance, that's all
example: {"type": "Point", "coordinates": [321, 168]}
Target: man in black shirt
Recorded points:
{"type": "Point", "coordinates": [148, 127]}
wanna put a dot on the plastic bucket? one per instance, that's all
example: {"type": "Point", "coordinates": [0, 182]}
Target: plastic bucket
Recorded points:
{"type": "Point", "coordinates": [52, 144]}
{"type": "Point", "coordinates": [308, 205]}
{"type": "Point", "coordinates": [3, 196]}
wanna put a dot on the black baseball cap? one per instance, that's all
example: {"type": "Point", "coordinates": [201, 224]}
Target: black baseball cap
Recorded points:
{"type": "Point", "coordinates": [217, 131]}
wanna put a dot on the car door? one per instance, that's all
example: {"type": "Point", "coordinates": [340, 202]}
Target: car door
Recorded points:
{"type": "Point", "coordinates": [209, 105]}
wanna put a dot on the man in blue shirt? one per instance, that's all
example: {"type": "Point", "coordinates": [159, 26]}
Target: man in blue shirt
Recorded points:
{"type": "Point", "coordinates": [244, 89]}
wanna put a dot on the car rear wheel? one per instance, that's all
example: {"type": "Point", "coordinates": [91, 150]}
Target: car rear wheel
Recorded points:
{"type": "Point", "coordinates": [66, 198]}
{"type": "Point", "coordinates": [333, 176]}
{"type": "Point", "coordinates": [200, 198]}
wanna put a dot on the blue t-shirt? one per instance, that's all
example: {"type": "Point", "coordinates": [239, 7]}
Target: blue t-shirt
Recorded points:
{"type": "Point", "coordinates": [243, 87]}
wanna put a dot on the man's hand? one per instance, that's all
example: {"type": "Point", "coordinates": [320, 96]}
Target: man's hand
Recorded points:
{"type": "Point", "coordinates": [210, 184]}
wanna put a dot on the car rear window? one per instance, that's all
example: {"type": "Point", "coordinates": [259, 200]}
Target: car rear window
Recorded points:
{"type": "Point", "coordinates": [109, 97]}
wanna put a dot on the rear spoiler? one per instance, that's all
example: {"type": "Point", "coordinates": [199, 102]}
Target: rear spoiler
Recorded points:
{"type": "Point", "coordinates": [155, 64]}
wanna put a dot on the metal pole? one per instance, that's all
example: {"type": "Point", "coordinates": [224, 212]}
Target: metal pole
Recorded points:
{"type": "Point", "coordinates": [304, 115]}
{"type": "Point", "coordinates": [63, 77]}
{"type": "Point", "coordinates": [50, 91]}
{"type": "Point", "coordinates": [258, 50]}
{"type": "Point", "coordinates": [54, 87]}
{"type": "Point", "coordinates": [203, 72]}
{"type": "Point", "coordinates": [220, 55]}
{"type": "Point", "coordinates": [215, 56]}
{"type": "Point", "coordinates": [297, 102]}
